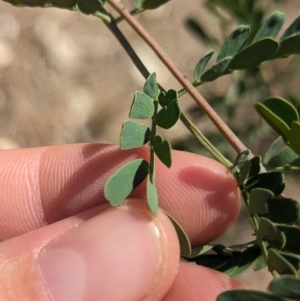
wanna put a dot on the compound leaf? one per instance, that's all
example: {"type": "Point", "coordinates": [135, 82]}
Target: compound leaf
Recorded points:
{"type": "Point", "coordinates": [151, 86]}
{"type": "Point", "coordinates": [234, 42]}
{"type": "Point", "coordinates": [134, 135]}
{"type": "Point", "coordinates": [162, 149]}
{"type": "Point", "coordinates": [201, 65]}
{"type": "Point", "coordinates": [270, 27]}
{"type": "Point", "coordinates": [169, 115]}
{"type": "Point", "coordinates": [286, 286]}
{"type": "Point", "coordinates": [129, 176]}
{"type": "Point", "coordinates": [152, 197]}
{"type": "Point", "coordinates": [142, 106]}
{"type": "Point", "coordinates": [254, 54]}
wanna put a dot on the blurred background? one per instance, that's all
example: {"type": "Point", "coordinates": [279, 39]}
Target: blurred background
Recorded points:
{"type": "Point", "coordinates": [65, 79]}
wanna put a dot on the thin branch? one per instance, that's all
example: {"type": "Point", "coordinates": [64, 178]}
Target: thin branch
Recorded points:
{"type": "Point", "coordinates": [215, 118]}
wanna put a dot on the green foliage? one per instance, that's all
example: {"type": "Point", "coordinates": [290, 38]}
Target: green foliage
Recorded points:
{"type": "Point", "coordinates": [134, 135]}
{"type": "Point", "coordinates": [128, 177]}
{"type": "Point", "coordinates": [201, 65]}
{"type": "Point", "coordinates": [245, 295]}
{"type": "Point", "coordinates": [286, 286]}
{"type": "Point", "coordinates": [274, 217]}
{"type": "Point", "coordinates": [162, 149]}
{"type": "Point", "coordinates": [142, 106]}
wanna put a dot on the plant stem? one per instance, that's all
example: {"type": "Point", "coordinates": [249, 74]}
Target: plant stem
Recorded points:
{"type": "Point", "coordinates": [215, 118]}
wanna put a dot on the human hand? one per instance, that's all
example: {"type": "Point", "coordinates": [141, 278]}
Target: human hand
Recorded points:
{"type": "Point", "coordinates": [61, 241]}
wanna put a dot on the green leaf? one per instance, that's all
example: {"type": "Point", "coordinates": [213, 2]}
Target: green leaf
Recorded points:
{"type": "Point", "coordinates": [273, 181]}
{"type": "Point", "coordinates": [198, 251]}
{"type": "Point", "coordinates": [134, 135]}
{"type": "Point", "coordinates": [128, 177]}
{"type": "Point", "coordinates": [151, 86]}
{"type": "Point", "coordinates": [241, 157]}
{"type": "Point", "coordinates": [296, 162]}
{"type": "Point", "coordinates": [286, 286]}
{"type": "Point", "coordinates": [257, 200]}
{"type": "Point", "coordinates": [90, 6]}
{"type": "Point", "coordinates": [278, 263]}
{"type": "Point", "coordinates": [270, 27]}
{"type": "Point", "coordinates": [247, 295]}
{"type": "Point", "coordinates": [162, 149]}
{"type": "Point", "coordinates": [64, 3]}
{"type": "Point", "coordinates": [32, 3]}
{"type": "Point", "coordinates": [248, 256]}
{"type": "Point", "coordinates": [244, 172]}
{"type": "Point", "coordinates": [294, 260]}
{"type": "Point", "coordinates": [269, 232]}
{"type": "Point", "coordinates": [254, 54]}
{"type": "Point", "coordinates": [153, 4]}
{"type": "Point", "coordinates": [259, 263]}
{"type": "Point", "coordinates": [216, 70]}
{"type": "Point", "coordinates": [255, 166]}
{"type": "Point", "coordinates": [284, 157]}
{"type": "Point", "coordinates": [184, 242]}
{"type": "Point", "coordinates": [282, 210]}
{"type": "Point", "coordinates": [287, 47]}
{"type": "Point", "coordinates": [234, 42]}
{"type": "Point", "coordinates": [165, 99]}
{"type": "Point", "coordinates": [294, 137]}
{"type": "Point", "coordinates": [292, 235]}
{"type": "Point", "coordinates": [215, 261]}
{"type": "Point", "coordinates": [168, 116]}
{"type": "Point", "coordinates": [138, 4]}
{"type": "Point", "coordinates": [293, 29]}
{"type": "Point", "coordinates": [152, 197]}
{"type": "Point", "coordinates": [201, 65]}
{"type": "Point", "coordinates": [142, 106]}
{"type": "Point", "coordinates": [283, 109]}
{"type": "Point", "coordinates": [272, 149]}
{"type": "Point", "coordinates": [273, 120]}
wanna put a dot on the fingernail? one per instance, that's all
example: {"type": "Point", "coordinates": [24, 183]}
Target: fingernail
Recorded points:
{"type": "Point", "coordinates": [113, 256]}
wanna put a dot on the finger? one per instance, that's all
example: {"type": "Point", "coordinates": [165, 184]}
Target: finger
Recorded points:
{"type": "Point", "coordinates": [118, 254]}
{"type": "Point", "coordinates": [194, 283]}
{"type": "Point", "coordinates": [40, 186]}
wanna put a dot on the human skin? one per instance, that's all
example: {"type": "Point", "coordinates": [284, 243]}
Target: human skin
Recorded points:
{"type": "Point", "coordinates": [61, 240]}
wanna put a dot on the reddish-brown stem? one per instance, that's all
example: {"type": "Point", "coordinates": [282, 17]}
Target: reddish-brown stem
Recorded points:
{"type": "Point", "coordinates": [214, 117]}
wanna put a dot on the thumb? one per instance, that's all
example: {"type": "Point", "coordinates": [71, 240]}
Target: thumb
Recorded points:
{"type": "Point", "coordinates": [123, 253]}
